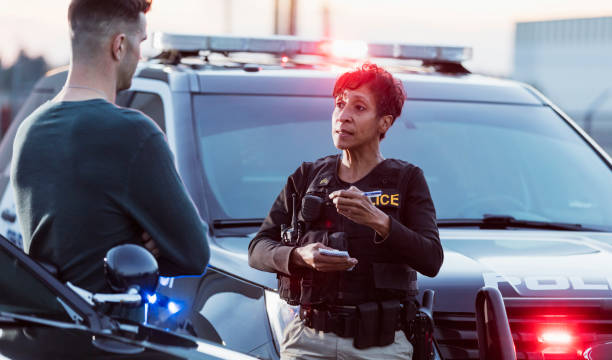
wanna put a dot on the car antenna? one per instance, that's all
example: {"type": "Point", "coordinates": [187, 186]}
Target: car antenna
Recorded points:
{"type": "Point", "coordinates": [294, 220]}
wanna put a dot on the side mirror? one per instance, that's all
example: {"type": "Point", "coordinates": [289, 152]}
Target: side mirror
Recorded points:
{"type": "Point", "coordinates": [132, 273]}
{"type": "Point", "coordinates": [131, 267]}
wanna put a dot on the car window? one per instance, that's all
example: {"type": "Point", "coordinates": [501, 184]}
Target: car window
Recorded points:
{"type": "Point", "coordinates": [599, 126]}
{"type": "Point", "coordinates": [124, 98]}
{"type": "Point", "coordinates": [478, 158]}
{"type": "Point", "coordinates": [23, 293]}
{"type": "Point", "coordinates": [149, 103]}
{"type": "Point", "coordinates": [9, 226]}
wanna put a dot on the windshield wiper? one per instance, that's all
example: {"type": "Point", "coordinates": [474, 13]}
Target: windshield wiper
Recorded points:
{"type": "Point", "coordinates": [234, 223]}
{"type": "Point", "coordinates": [505, 222]}
{"type": "Point", "coordinates": [8, 317]}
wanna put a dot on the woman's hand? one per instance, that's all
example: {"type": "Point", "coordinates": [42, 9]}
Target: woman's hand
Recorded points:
{"type": "Point", "coordinates": [357, 207]}
{"type": "Point", "coordinates": [309, 256]}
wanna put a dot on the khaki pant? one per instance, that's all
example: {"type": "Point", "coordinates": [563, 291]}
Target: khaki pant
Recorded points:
{"type": "Point", "coordinates": [302, 342]}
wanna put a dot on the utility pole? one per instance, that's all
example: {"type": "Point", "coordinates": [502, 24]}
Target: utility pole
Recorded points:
{"type": "Point", "coordinates": [326, 19]}
{"type": "Point", "coordinates": [228, 16]}
{"type": "Point", "coordinates": [292, 17]}
{"type": "Point", "coordinates": [285, 17]}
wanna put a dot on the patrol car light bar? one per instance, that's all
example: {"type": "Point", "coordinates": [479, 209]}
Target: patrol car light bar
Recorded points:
{"type": "Point", "coordinates": [288, 45]}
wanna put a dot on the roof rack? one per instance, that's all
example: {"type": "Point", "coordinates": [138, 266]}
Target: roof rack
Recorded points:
{"type": "Point", "coordinates": [442, 58]}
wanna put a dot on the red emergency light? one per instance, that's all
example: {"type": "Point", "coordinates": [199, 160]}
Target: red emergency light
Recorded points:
{"type": "Point", "coordinates": [558, 342]}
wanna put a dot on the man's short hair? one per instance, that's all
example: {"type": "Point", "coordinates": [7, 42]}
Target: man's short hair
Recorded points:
{"type": "Point", "coordinates": [388, 91]}
{"type": "Point", "coordinates": [93, 17]}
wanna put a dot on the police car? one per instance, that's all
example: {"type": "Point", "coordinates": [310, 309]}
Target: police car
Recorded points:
{"type": "Point", "coordinates": [522, 194]}
{"type": "Point", "coordinates": [41, 318]}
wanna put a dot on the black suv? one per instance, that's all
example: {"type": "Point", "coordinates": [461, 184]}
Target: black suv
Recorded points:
{"type": "Point", "coordinates": [523, 195]}
{"type": "Point", "coordinates": [41, 318]}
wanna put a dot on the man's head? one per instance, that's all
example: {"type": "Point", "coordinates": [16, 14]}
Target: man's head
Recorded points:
{"type": "Point", "coordinates": [368, 100]}
{"type": "Point", "coordinates": [108, 31]}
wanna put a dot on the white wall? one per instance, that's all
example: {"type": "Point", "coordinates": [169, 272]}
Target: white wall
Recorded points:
{"type": "Point", "coordinates": [570, 61]}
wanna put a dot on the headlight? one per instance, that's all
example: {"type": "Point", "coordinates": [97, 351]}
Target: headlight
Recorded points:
{"type": "Point", "coordinates": [280, 315]}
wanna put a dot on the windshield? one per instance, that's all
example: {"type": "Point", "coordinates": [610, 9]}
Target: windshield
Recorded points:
{"type": "Point", "coordinates": [517, 160]}
{"type": "Point", "coordinates": [23, 293]}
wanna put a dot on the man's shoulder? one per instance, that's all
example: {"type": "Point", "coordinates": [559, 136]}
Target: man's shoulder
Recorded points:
{"type": "Point", "coordinates": [136, 121]}
{"type": "Point", "coordinates": [124, 124]}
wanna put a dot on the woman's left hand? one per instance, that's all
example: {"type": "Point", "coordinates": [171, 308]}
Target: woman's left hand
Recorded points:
{"type": "Point", "coordinates": [358, 208]}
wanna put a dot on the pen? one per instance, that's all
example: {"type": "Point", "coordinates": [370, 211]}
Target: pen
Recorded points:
{"type": "Point", "coordinates": [373, 193]}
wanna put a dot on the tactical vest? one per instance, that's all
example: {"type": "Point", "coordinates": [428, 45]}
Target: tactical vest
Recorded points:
{"type": "Point", "coordinates": [380, 274]}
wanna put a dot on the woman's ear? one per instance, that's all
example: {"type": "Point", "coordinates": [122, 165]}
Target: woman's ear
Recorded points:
{"type": "Point", "coordinates": [384, 123]}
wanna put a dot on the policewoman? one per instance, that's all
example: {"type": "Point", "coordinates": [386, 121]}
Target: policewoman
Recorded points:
{"type": "Point", "coordinates": [378, 210]}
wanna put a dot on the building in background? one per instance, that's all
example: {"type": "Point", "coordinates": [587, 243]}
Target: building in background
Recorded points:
{"type": "Point", "coordinates": [570, 61]}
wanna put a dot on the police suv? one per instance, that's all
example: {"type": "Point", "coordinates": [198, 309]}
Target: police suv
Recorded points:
{"type": "Point", "coordinates": [523, 195]}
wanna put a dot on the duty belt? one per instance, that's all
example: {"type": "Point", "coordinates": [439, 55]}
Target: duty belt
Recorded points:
{"type": "Point", "coordinates": [344, 320]}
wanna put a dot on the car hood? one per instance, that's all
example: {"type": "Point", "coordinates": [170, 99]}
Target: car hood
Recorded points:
{"type": "Point", "coordinates": [521, 263]}
{"type": "Point", "coordinates": [33, 337]}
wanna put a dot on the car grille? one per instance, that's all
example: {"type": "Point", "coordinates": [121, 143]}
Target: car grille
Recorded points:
{"type": "Point", "coordinates": [588, 321]}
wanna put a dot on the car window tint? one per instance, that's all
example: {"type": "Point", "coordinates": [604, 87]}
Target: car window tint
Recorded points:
{"type": "Point", "coordinates": [23, 293]}
{"type": "Point", "coordinates": [124, 98]}
{"type": "Point", "coordinates": [249, 149]}
{"type": "Point", "coordinates": [150, 104]}
{"type": "Point", "coordinates": [599, 126]}
{"type": "Point", "coordinates": [478, 158]}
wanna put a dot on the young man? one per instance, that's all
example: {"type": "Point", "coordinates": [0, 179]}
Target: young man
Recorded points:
{"type": "Point", "coordinates": [89, 175]}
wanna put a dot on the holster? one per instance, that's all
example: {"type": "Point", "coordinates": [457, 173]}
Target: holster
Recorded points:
{"type": "Point", "coordinates": [377, 323]}
{"type": "Point", "coordinates": [422, 337]}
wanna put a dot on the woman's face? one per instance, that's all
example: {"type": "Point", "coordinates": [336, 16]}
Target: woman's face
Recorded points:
{"type": "Point", "coordinates": [354, 121]}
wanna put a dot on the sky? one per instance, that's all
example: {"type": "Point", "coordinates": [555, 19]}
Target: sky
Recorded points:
{"type": "Point", "coordinates": [40, 26]}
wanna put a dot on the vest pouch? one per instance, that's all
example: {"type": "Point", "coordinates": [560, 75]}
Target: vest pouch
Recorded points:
{"type": "Point", "coordinates": [317, 287]}
{"type": "Point", "coordinates": [355, 286]}
{"type": "Point", "coordinates": [312, 236]}
{"type": "Point", "coordinates": [396, 278]}
{"type": "Point", "coordinates": [368, 319]}
{"type": "Point", "coordinates": [307, 289]}
{"type": "Point", "coordinates": [289, 288]}
{"type": "Point", "coordinates": [337, 240]}
{"type": "Point", "coordinates": [389, 318]}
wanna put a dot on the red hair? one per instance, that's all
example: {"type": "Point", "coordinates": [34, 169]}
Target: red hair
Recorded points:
{"type": "Point", "coordinates": [388, 91]}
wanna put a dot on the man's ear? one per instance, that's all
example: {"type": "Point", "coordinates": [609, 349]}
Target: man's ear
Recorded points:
{"type": "Point", "coordinates": [118, 46]}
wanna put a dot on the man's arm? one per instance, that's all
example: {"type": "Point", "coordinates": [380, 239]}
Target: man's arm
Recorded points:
{"type": "Point", "coordinates": [157, 200]}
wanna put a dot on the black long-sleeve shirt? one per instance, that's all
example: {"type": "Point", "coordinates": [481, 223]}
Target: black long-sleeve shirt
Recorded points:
{"type": "Point", "coordinates": [88, 176]}
{"type": "Point", "coordinates": [414, 237]}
